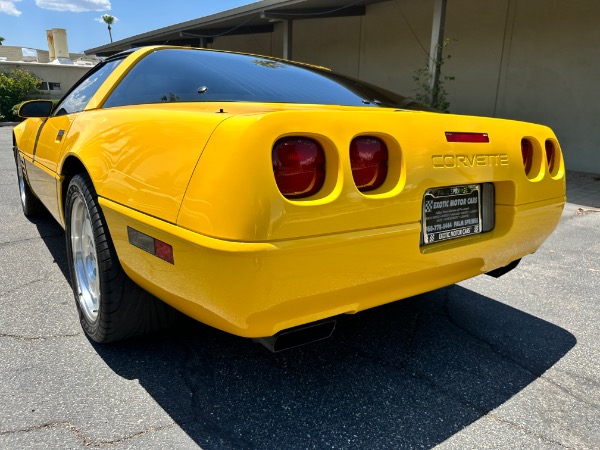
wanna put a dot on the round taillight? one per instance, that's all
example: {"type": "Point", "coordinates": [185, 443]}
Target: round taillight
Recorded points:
{"type": "Point", "coordinates": [527, 152]}
{"type": "Point", "coordinates": [369, 162]}
{"type": "Point", "coordinates": [299, 166]}
{"type": "Point", "coordinates": [550, 155]}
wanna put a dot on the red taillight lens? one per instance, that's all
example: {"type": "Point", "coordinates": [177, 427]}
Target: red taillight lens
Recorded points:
{"type": "Point", "coordinates": [481, 138]}
{"type": "Point", "coordinates": [299, 166]}
{"type": "Point", "coordinates": [369, 161]}
{"type": "Point", "coordinates": [550, 155]}
{"type": "Point", "coordinates": [527, 152]}
{"type": "Point", "coordinates": [164, 251]}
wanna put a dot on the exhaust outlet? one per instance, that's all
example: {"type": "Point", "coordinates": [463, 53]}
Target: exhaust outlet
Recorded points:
{"type": "Point", "coordinates": [297, 336]}
{"type": "Point", "coordinates": [497, 273]}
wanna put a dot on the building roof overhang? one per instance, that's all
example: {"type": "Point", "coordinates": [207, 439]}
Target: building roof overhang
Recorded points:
{"type": "Point", "coordinates": [258, 17]}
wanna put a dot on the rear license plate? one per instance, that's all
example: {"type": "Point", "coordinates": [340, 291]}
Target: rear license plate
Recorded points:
{"type": "Point", "coordinates": [451, 212]}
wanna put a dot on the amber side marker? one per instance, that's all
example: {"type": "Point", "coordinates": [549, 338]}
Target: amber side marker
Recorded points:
{"type": "Point", "coordinates": [151, 245]}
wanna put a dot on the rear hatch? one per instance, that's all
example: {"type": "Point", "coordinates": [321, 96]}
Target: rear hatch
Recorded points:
{"type": "Point", "coordinates": [233, 193]}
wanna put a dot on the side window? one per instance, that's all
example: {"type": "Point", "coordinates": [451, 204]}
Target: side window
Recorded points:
{"type": "Point", "coordinates": [78, 98]}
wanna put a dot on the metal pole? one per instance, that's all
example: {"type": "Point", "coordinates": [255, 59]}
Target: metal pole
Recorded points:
{"type": "Point", "coordinates": [437, 46]}
{"type": "Point", "coordinates": [287, 39]}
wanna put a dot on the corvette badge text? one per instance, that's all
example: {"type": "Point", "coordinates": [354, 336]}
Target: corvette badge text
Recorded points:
{"type": "Point", "coordinates": [454, 161]}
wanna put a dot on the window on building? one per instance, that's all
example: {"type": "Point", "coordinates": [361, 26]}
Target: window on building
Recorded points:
{"type": "Point", "coordinates": [49, 86]}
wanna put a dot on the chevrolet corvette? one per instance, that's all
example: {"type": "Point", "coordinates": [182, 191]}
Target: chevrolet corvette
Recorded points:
{"type": "Point", "coordinates": [266, 197]}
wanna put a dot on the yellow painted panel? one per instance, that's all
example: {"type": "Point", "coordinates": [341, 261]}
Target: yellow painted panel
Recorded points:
{"type": "Point", "coordinates": [257, 289]}
{"type": "Point", "coordinates": [233, 194]}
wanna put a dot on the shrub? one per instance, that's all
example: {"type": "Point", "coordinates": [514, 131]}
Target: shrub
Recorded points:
{"type": "Point", "coordinates": [436, 96]}
{"type": "Point", "coordinates": [16, 86]}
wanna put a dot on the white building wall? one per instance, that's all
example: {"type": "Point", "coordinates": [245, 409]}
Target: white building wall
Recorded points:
{"type": "Point", "coordinates": [550, 74]}
{"type": "Point", "coordinates": [53, 73]}
{"type": "Point", "coordinates": [260, 43]}
{"type": "Point", "coordinates": [342, 35]}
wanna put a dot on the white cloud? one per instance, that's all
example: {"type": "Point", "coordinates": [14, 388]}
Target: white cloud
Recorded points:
{"type": "Point", "coordinates": [74, 5]}
{"type": "Point", "coordinates": [9, 7]}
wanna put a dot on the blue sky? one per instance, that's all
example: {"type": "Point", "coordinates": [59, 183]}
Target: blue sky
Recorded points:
{"type": "Point", "coordinates": [24, 22]}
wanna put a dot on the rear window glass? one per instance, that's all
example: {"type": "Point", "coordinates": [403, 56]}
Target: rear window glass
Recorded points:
{"type": "Point", "coordinates": [180, 75]}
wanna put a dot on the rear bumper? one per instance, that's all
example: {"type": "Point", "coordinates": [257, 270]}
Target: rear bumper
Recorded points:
{"type": "Point", "coordinates": [258, 289]}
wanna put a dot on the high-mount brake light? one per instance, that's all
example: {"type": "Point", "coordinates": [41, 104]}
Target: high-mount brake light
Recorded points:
{"type": "Point", "coordinates": [476, 138]}
{"type": "Point", "coordinates": [527, 152]}
{"type": "Point", "coordinates": [369, 162]}
{"type": "Point", "coordinates": [299, 166]}
{"type": "Point", "coordinates": [550, 155]}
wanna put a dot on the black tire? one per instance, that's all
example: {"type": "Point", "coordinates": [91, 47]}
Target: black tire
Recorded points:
{"type": "Point", "coordinates": [111, 306]}
{"type": "Point", "coordinates": [31, 205]}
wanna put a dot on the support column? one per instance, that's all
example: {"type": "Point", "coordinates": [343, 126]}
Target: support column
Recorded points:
{"type": "Point", "coordinates": [287, 39]}
{"type": "Point", "coordinates": [437, 43]}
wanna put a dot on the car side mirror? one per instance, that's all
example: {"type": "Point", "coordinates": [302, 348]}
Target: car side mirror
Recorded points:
{"type": "Point", "coordinates": [36, 108]}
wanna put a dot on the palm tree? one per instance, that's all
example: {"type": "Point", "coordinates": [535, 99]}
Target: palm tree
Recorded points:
{"type": "Point", "coordinates": [109, 20]}
{"type": "Point", "coordinates": [1, 40]}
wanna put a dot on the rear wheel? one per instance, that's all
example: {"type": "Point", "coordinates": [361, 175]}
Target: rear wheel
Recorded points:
{"type": "Point", "coordinates": [111, 306]}
{"type": "Point", "coordinates": [29, 202]}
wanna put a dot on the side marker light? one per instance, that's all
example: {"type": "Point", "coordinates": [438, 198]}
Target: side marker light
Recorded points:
{"type": "Point", "coordinates": [151, 245]}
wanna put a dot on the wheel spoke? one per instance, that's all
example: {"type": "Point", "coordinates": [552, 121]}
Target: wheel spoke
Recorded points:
{"type": "Point", "coordinates": [21, 179]}
{"type": "Point", "coordinates": [85, 261]}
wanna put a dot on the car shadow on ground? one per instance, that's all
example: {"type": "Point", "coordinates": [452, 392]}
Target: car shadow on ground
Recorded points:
{"type": "Point", "coordinates": [406, 375]}
{"type": "Point", "coordinates": [53, 236]}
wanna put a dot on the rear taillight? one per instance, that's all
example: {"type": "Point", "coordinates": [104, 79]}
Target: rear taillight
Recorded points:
{"type": "Point", "coordinates": [550, 155]}
{"type": "Point", "coordinates": [299, 166]}
{"type": "Point", "coordinates": [369, 162]}
{"type": "Point", "coordinates": [527, 152]}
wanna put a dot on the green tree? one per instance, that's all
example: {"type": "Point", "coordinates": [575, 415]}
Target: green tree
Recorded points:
{"type": "Point", "coordinates": [436, 96]}
{"type": "Point", "coordinates": [1, 40]}
{"type": "Point", "coordinates": [16, 86]}
{"type": "Point", "coordinates": [109, 20]}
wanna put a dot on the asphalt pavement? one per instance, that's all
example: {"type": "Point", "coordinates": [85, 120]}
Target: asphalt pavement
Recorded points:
{"type": "Point", "coordinates": [487, 363]}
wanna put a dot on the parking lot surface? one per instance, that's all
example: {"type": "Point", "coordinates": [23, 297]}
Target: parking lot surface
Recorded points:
{"type": "Point", "coordinates": [487, 363]}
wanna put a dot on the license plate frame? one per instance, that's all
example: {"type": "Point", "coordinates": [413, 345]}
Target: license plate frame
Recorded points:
{"type": "Point", "coordinates": [451, 213]}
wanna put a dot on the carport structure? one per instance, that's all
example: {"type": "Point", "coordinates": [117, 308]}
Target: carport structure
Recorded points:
{"type": "Point", "coordinates": [518, 59]}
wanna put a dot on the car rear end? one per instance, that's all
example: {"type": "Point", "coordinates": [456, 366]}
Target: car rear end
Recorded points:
{"type": "Point", "coordinates": [296, 216]}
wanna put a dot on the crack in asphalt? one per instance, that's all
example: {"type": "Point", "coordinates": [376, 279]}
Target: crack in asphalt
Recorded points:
{"type": "Point", "coordinates": [431, 383]}
{"type": "Point", "coordinates": [189, 373]}
{"type": "Point", "coordinates": [488, 344]}
{"type": "Point", "coordinates": [411, 335]}
{"type": "Point", "coordinates": [525, 430]}
{"type": "Point", "coordinates": [86, 441]}
{"type": "Point", "coordinates": [6, 244]}
{"type": "Point", "coordinates": [38, 338]}
{"type": "Point", "coordinates": [569, 393]}
{"type": "Point", "coordinates": [47, 277]}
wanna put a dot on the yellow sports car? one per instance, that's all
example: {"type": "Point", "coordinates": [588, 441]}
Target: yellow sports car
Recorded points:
{"type": "Point", "coordinates": [266, 197]}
